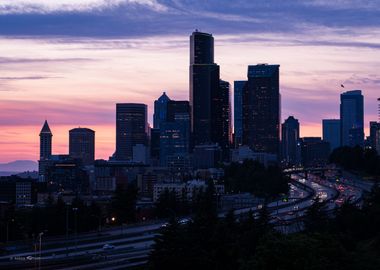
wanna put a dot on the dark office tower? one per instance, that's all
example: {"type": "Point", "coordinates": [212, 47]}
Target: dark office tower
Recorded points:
{"type": "Point", "coordinates": [261, 109]}
{"type": "Point", "coordinates": [160, 110]}
{"type": "Point", "coordinates": [221, 116]}
{"type": "Point", "coordinates": [175, 133]}
{"type": "Point", "coordinates": [290, 137]}
{"type": "Point", "coordinates": [155, 143]}
{"type": "Point", "coordinates": [331, 132]}
{"type": "Point", "coordinates": [45, 142]}
{"type": "Point", "coordinates": [82, 145]}
{"type": "Point", "coordinates": [204, 87]}
{"type": "Point", "coordinates": [238, 112]}
{"type": "Point", "coordinates": [178, 110]}
{"type": "Point", "coordinates": [201, 48]}
{"type": "Point", "coordinates": [373, 129]}
{"type": "Point", "coordinates": [352, 118]}
{"type": "Point", "coordinates": [131, 128]}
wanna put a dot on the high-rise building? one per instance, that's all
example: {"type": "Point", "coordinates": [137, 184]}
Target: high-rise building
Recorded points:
{"type": "Point", "coordinates": [352, 118]}
{"type": "Point", "coordinates": [160, 110]}
{"type": "Point", "coordinates": [209, 96]}
{"type": "Point", "coordinates": [204, 86]}
{"type": "Point", "coordinates": [82, 145]}
{"type": "Point", "coordinates": [178, 110]}
{"type": "Point", "coordinates": [314, 151]}
{"type": "Point", "coordinates": [222, 118]}
{"type": "Point", "coordinates": [331, 132]}
{"type": "Point", "coordinates": [155, 144]}
{"type": "Point", "coordinates": [45, 150]}
{"type": "Point", "coordinates": [373, 128]}
{"type": "Point", "coordinates": [290, 137]}
{"type": "Point", "coordinates": [238, 112]}
{"type": "Point", "coordinates": [261, 109]}
{"type": "Point", "coordinates": [175, 133]}
{"type": "Point", "coordinates": [45, 142]}
{"type": "Point", "coordinates": [131, 128]}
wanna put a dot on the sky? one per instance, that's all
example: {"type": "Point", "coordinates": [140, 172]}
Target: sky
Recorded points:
{"type": "Point", "coordinates": [70, 61]}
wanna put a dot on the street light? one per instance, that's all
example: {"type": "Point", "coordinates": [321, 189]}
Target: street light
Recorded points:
{"type": "Point", "coordinates": [39, 258]}
{"type": "Point", "coordinates": [75, 209]}
{"type": "Point", "coordinates": [12, 220]}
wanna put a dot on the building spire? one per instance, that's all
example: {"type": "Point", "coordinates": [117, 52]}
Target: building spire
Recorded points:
{"type": "Point", "coordinates": [45, 128]}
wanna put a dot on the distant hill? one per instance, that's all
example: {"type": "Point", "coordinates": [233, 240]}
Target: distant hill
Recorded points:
{"type": "Point", "coordinates": [19, 166]}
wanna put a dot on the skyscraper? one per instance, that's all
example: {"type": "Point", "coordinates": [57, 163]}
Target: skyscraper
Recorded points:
{"type": "Point", "coordinates": [204, 86]}
{"type": "Point", "coordinates": [352, 118]}
{"type": "Point", "coordinates": [45, 150]}
{"type": "Point", "coordinates": [261, 109]}
{"type": "Point", "coordinates": [82, 145]}
{"type": "Point", "coordinates": [222, 118]}
{"type": "Point", "coordinates": [290, 137]}
{"type": "Point", "coordinates": [160, 110]}
{"type": "Point", "coordinates": [238, 112]}
{"type": "Point", "coordinates": [175, 133]}
{"type": "Point", "coordinates": [131, 128]}
{"type": "Point", "coordinates": [331, 132]}
{"type": "Point", "coordinates": [373, 128]}
{"type": "Point", "coordinates": [45, 142]}
{"type": "Point", "coordinates": [209, 96]}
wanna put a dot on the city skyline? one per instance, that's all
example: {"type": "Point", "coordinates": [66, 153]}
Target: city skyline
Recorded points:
{"type": "Point", "coordinates": [41, 74]}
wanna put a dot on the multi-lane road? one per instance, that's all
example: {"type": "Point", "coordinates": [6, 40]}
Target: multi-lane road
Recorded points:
{"type": "Point", "coordinates": [124, 247]}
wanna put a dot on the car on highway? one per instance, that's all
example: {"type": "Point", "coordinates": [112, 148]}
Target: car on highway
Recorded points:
{"type": "Point", "coordinates": [108, 246]}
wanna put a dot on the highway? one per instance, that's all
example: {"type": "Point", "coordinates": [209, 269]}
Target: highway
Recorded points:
{"type": "Point", "coordinates": [129, 246]}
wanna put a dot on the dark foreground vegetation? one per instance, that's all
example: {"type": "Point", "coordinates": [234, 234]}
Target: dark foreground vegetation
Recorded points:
{"type": "Point", "coordinates": [357, 159]}
{"type": "Point", "coordinates": [59, 218]}
{"type": "Point", "coordinates": [252, 176]}
{"type": "Point", "coordinates": [349, 241]}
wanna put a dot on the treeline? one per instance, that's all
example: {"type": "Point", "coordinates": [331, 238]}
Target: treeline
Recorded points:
{"type": "Point", "coordinates": [252, 176]}
{"type": "Point", "coordinates": [57, 217]}
{"type": "Point", "coordinates": [171, 205]}
{"type": "Point", "coordinates": [357, 159]}
{"type": "Point", "coordinates": [348, 241]}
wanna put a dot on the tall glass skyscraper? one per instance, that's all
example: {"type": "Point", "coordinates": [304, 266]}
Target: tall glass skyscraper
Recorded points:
{"type": "Point", "coordinates": [290, 138]}
{"type": "Point", "coordinates": [352, 118]}
{"type": "Point", "coordinates": [175, 133]}
{"type": "Point", "coordinates": [204, 85]}
{"type": "Point", "coordinates": [331, 132]}
{"type": "Point", "coordinates": [209, 96]}
{"type": "Point", "coordinates": [261, 109]}
{"type": "Point", "coordinates": [131, 128]}
{"type": "Point", "coordinates": [238, 112]}
{"type": "Point", "coordinates": [160, 110]}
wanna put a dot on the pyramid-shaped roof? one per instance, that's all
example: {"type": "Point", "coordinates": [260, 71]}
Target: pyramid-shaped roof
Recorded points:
{"type": "Point", "coordinates": [163, 97]}
{"type": "Point", "coordinates": [45, 129]}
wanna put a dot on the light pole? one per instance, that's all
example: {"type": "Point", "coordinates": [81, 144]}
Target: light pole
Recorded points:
{"type": "Point", "coordinates": [75, 209]}
{"type": "Point", "coordinates": [7, 238]}
{"type": "Point", "coordinates": [39, 258]}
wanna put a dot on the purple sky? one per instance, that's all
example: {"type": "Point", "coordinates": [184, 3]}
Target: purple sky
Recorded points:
{"type": "Point", "coordinates": [70, 61]}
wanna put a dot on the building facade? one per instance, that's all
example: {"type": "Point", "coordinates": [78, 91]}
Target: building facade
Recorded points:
{"type": "Point", "coordinates": [238, 112]}
{"type": "Point", "coordinates": [261, 109]}
{"type": "Point", "coordinates": [131, 128]}
{"type": "Point", "coordinates": [45, 149]}
{"type": "Point", "coordinates": [290, 135]}
{"type": "Point", "coordinates": [160, 110]}
{"type": "Point", "coordinates": [352, 118]}
{"type": "Point", "coordinates": [331, 132]}
{"type": "Point", "coordinates": [82, 145]}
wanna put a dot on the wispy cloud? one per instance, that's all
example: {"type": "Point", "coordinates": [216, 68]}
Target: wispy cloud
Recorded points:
{"type": "Point", "coordinates": [26, 78]}
{"type": "Point", "coordinates": [16, 60]}
{"type": "Point", "coordinates": [48, 6]}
